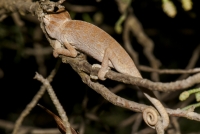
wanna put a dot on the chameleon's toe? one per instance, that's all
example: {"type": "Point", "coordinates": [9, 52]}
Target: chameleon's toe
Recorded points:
{"type": "Point", "coordinates": [94, 77]}
{"type": "Point", "coordinates": [101, 74]}
{"type": "Point", "coordinates": [96, 66]}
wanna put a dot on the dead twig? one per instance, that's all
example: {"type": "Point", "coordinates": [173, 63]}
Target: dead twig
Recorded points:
{"type": "Point", "coordinates": [32, 104]}
{"type": "Point", "coordinates": [56, 102]}
{"type": "Point", "coordinates": [169, 71]}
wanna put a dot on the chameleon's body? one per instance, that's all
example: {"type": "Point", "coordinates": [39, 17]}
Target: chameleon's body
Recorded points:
{"type": "Point", "coordinates": [84, 37]}
{"type": "Point", "coordinates": [91, 40]}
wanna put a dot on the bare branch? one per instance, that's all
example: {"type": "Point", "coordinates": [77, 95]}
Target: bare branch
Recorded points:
{"type": "Point", "coordinates": [27, 129]}
{"type": "Point", "coordinates": [169, 71]}
{"type": "Point", "coordinates": [79, 64]}
{"type": "Point", "coordinates": [156, 86]}
{"type": "Point", "coordinates": [32, 104]}
{"type": "Point", "coordinates": [22, 6]}
{"type": "Point", "coordinates": [56, 102]}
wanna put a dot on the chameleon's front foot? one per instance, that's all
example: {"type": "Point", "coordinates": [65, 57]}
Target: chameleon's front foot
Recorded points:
{"type": "Point", "coordinates": [101, 73]}
{"type": "Point", "coordinates": [55, 54]}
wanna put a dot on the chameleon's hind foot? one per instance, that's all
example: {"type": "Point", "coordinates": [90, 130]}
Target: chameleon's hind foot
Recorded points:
{"type": "Point", "coordinates": [92, 76]}
{"type": "Point", "coordinates": [55, 54]}
{"type": "Point", "coordinates": [101, 74]}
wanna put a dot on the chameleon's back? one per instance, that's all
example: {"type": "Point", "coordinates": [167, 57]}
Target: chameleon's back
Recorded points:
{"type": "Point", "coordinates": [93, 41]}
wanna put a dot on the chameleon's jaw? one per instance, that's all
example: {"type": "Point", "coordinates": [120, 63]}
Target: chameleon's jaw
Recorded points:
{"type": "Point", "coordinates": [46, 20]}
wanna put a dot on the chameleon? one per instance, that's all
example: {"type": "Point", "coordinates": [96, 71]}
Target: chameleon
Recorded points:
{"type": "Point", "coordinates": [87, 38]}
{"type": "Point", "coordinates": [80, 36]}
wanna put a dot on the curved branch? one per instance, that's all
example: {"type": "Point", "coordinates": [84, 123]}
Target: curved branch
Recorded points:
{"type": "Point", "coordinates": [79, 64]}
{"type": "Point", "coordinates": [156, 86]}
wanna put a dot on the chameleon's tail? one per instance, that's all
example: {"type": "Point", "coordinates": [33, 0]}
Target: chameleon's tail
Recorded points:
{"type": "Point", "coordinates": [152, 98]}
{"type": "Point", "coordinates": [160, 108]}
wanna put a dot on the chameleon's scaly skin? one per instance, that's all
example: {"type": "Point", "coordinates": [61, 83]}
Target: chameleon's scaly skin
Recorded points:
{"type": "Point", "coordinates": [92, 41]}
{"type": "Point", "coordinates": [81, 36]}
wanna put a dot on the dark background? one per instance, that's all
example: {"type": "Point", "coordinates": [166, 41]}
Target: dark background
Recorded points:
{"type": "Point", "coordinates": [175, 40]}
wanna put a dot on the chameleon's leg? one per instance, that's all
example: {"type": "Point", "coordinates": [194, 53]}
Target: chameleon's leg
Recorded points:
{"type": "Point", "coordinates": [105, 64]}
{"type": "Point", "coordinates": [68, 51]}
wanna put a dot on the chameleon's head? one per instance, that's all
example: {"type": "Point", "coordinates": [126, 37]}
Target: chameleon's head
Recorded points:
{"type": "Point", "coordinates": [53, 22]}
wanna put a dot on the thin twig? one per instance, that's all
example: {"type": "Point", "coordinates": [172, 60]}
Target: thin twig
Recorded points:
{"type": "Point", "coordinates": [193, 60]}
{"type": "Point", "coordinates": [32, 104]}
{"type": "Point", "coordinates": [8, 126]}
{"type": "Point", "coordinates": [176, 125]}
{"type": "Point", "coordinates": [133, 24]}
{"type": "Point", "coordinates": [17, 19]}
{"type": "Point", "coordinates": [129, 120]}
{"type": "Point", "coordinates": [56, 102]}
{"type": "Point", "coordinates": [136, 124]}
{"type": "Point", "coordinates": [169, 71]}
{"type": "Point", "coordinates": [184, 113]}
